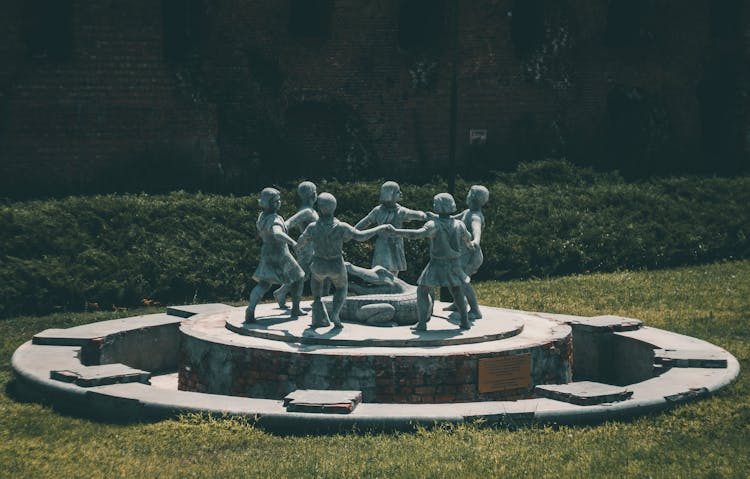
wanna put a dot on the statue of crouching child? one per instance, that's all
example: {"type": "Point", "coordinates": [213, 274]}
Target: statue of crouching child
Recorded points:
{"type": "Point", "coordinates": [447, 235]}
{"type": "Point", "coordinates": [327, 236]}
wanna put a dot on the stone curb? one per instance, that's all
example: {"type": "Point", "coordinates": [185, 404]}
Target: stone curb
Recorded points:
{"type": "Point", "coordinates": [33, 364]}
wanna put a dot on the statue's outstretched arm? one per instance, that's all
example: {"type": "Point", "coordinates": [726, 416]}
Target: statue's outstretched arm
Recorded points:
{"type": "Point", "coordinates": [279, 234]}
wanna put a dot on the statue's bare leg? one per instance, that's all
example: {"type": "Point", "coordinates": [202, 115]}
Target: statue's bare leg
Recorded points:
{"type": "Point", "coordinates": [319, 313]}
{"type": "Point", "coordinates": [471, 297]}
{"type": "Point", "coordinates": [425, 300]}
{"type": "Point", "coordinates": [451, 307]}
{"type": "Point", "coordinates": [296, 289]}
{"type": "Point", "coordinates": [280, 295]}
{"type": "Point", "coordinates": [339, 296]}
{"type": "Point", "coordinates": [255, 296]}
{"type": "Point", "coordinates": [458, 298]}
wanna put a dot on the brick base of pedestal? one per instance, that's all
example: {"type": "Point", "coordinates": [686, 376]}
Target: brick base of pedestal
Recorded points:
{"type": "Point", "coordinates": [218, 361]}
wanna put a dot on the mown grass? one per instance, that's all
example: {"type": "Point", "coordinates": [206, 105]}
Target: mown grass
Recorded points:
{"type": "Point", "coordinates": [708, 438]}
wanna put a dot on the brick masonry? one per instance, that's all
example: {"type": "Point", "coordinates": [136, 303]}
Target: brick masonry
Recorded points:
{"type": "Point", "coordinates": [264, 373]}
{"type": "Point", "coordinates": [259, 92]}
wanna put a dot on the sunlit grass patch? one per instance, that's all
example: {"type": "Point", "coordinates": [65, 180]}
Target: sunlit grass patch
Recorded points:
{"type": "Point", "coordinates": [707, 438]}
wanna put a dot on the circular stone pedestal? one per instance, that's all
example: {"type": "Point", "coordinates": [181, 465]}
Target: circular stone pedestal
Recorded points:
{"type": "Point", "coordinates": [503, 356]}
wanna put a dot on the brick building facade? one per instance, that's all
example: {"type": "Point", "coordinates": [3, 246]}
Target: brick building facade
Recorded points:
{"type": "Point", "coordinates": [94, 95]}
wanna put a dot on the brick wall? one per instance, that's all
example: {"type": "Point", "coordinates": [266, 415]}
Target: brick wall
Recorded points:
{"type": "Point", "coordinates": [116, 98]}
{"type": "Point", "coordinates": [448, 377]}
{"type": "Point", "coordinates": [113, 100]}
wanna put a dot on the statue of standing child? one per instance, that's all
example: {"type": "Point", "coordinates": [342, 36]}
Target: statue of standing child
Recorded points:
{"type": "Point", "coordinates": [306, 215]}
{"type": "Point", "coordinates": [277, 265]}
{"type": "Point", "coordinates": [327, 236]}
{"type": "Point", "coordinates": [447, 235]}
{"type": "Point", "coordinates": [472, 258]}
{"type": "Point", "coordinates": [389, 250]}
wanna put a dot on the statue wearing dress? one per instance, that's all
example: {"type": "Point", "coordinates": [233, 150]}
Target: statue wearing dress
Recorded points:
{"type": "Point", "coordinates": [447, 236]}
{"type": "Point", "coordinates": [307, 192]}
{"type": "Point", "coordinates": [389, 250]}
{"type": "Point", "coordinates": [277, 265]}
{"type": "Point", "coordinates": [472, 258]}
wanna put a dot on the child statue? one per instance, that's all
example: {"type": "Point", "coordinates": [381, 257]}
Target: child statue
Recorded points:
{"type": "Point", "coordinates": [307, 193]}
{"type": "Point", "coordinates": [277, 265]}
{"type": "Point", "coordinates": [389, 250]}
{"type": "Point", "coordinates": [447, 235]}
{"type": "Point", "coordinates": [327, 236]}
{"type": "Point", "coordinates": [472, 258]}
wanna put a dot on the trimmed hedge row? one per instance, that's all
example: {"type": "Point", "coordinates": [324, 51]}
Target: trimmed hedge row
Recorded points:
{"type": "Point", "coordinates": [545, 219]}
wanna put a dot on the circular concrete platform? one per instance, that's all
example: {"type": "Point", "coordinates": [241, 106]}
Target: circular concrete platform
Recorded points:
{"type": "Point", "coordinates": [276, 324]}
{"type": "Point", "coordinates": [98, 370]}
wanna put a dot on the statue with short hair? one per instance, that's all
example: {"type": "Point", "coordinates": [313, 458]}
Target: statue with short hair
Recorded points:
{"type": "Point", "coordinates": [447, 235]}
{"type": "Point", "coordinates": [472, 258]}
{"type": "Point", "coordinates": [307, 192]}
{"type": "Point", "coordinates": [277, 265]}
{"type": "Point", "coordinates": [327, 236]}
{"type": "Point", "coordinates": [389, 250]}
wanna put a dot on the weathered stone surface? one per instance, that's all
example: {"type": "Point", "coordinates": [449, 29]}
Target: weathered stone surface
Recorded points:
{"type": "Point", "coordinates": [147, 342]}
{"type": "Point", "coordinates": [84, 334]}
{"type": "Point", "coordinates": [322, 401]}
{"type": "Point", "coordinates": [689, 395]}
{"type": "Point", "coordinates": [32, 364]}
{"type": "Point", "coordinates": [88, 376]}
{"type": "Point", "coordinates": [606, 323]}
{"type": "Point", "coordinates": [188, 310]}
{"type": "Point", "coordinates": [278, 325]}
{"type": "Point", "coordinates": [690, 358]}
{"type": "Point", "coordinates": [584, 393]}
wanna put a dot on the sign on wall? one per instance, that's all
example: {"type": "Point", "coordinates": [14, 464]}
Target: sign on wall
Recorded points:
{"type": "Point", "coordinates": [477, 137]}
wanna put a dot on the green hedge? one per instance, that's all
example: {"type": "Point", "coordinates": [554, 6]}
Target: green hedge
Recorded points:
{"type": "Point", "coordinates": [545, 219]}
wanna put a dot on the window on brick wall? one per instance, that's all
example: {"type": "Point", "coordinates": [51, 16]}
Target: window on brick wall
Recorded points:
{"type": "Point", "coordinates": [310, 18]}
{"type": "Point", "coordinates": [48, 28]}
{"type": "Point", "coordinates": [527, 26]}
{"type": "Point", "coordinates": [421, 24]}
{"type": "Point", "coordinates": [182, 26]}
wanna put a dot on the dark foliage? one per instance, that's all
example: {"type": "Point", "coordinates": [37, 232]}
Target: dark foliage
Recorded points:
{"type": "Point", "coordinates": [544, 219]}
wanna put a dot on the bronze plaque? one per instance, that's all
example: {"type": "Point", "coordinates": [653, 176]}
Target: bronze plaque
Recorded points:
{"type": "Point", "coordinates": [504, 373]}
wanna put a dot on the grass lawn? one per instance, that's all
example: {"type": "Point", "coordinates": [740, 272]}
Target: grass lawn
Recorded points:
{"type": "Point", "coordinates": [709, 438]}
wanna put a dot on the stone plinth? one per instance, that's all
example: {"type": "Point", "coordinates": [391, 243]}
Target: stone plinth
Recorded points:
{"type": "Point", "coordinates": [278, 354]}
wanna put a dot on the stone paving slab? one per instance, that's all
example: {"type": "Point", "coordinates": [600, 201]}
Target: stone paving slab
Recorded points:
{"type": "Point", "coordinates": [188, 310]}
{"type": "Point", "coordinates": [662, 339]}
{"type": "Point", "coordinates": [601, 324]}
{"type": "Point", "coordinates": [88, 376]}
{"type": "Point", "coordinates": [690, 358]}
{"type": "Point", "coordinates": [583, 393]}
{"type": "Point", "coordinates": [322, 401]}
{"type": "Point", "coordinates": [85, 334]}
{"type": "Point", "coordinates": [165, 381]}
